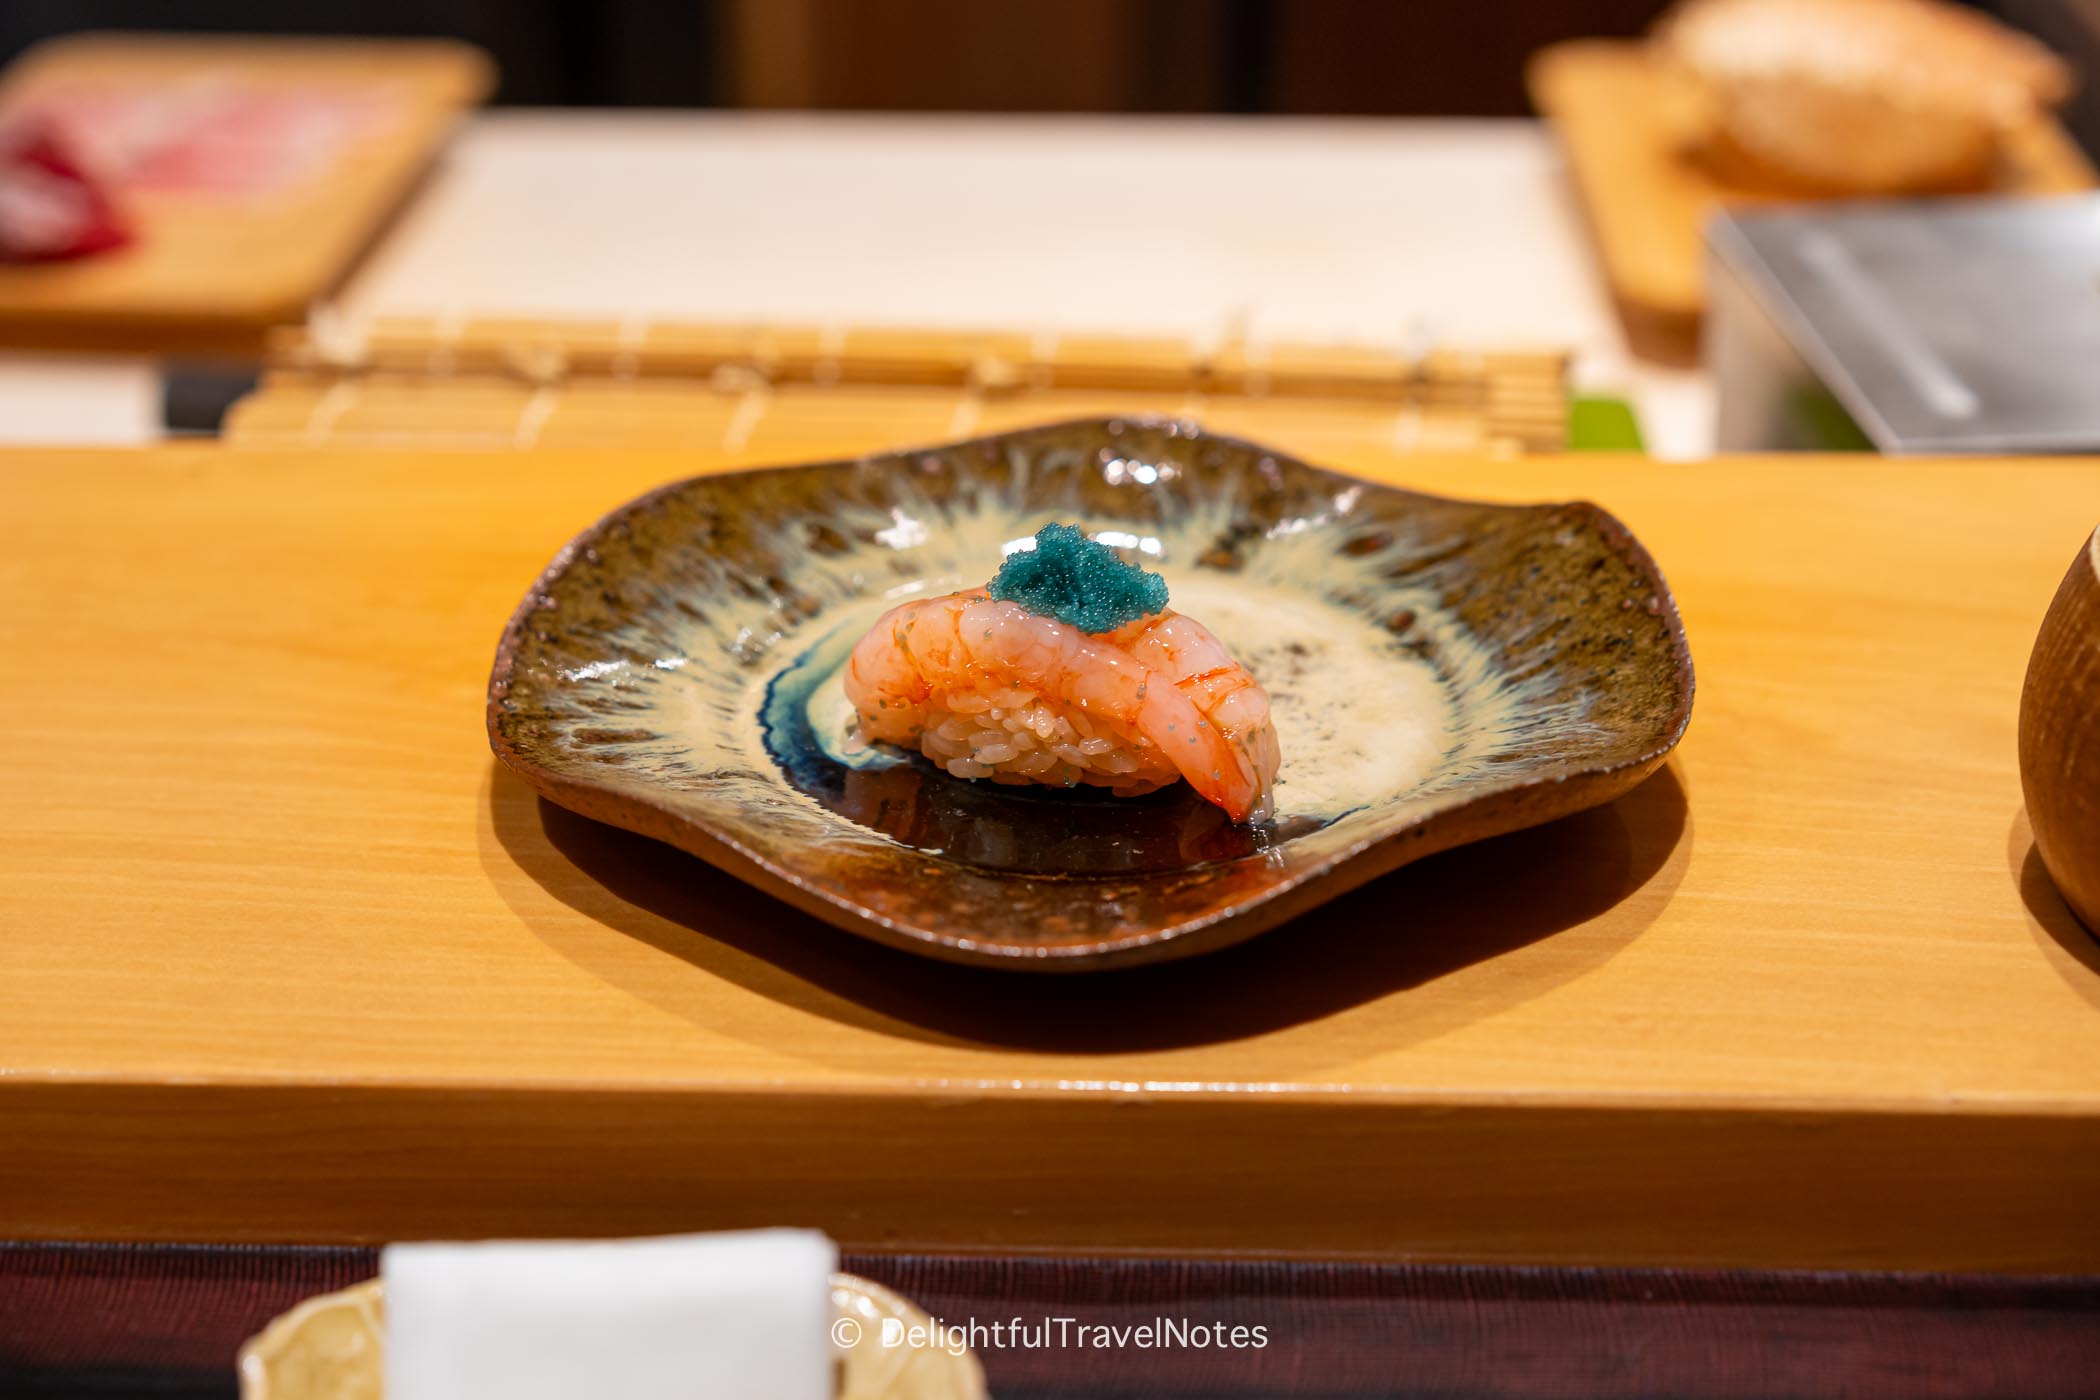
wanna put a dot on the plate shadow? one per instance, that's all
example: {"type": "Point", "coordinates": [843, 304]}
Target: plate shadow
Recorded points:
{"type": "Point", "coordinates": [1412, 927]}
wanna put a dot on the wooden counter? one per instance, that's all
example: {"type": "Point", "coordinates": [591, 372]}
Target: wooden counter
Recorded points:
{"type": "Point", "coordinates": [284, 956]}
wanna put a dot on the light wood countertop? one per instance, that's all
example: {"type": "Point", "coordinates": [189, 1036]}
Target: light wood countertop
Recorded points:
{"type": "Point", "coordinates": [286, 956]}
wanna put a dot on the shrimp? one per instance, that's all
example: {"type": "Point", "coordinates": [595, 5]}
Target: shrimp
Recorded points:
{"type": "Point", "coordinates": [989, 689]}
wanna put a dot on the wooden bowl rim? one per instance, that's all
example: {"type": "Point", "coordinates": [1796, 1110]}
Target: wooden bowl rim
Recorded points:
{"type": "Point", "coordinates": [282, 1332]}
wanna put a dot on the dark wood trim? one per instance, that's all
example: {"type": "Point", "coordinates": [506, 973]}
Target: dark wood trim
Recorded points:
{"type": "Point", "coordinates": [170, 1316]}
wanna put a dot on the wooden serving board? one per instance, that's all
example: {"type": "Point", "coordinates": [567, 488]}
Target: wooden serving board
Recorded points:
{"type": "Point", "coordinates": [1648, 201]}
{"type": "Point", "coordinates": [287, 956]}
{"type": "Point", "coordinates": [269, 165]}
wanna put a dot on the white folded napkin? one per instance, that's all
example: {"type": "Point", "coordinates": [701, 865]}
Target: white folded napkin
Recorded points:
{"type": "Point", "coordinates": [739, 1316]}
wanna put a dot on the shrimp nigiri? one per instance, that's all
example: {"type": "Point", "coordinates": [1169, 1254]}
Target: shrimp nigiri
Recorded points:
{"type": "Point", "coordinates": [1069, 668]}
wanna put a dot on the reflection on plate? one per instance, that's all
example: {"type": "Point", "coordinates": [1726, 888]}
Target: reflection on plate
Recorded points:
{"type": "Point", "coordinates": [1442, 670]}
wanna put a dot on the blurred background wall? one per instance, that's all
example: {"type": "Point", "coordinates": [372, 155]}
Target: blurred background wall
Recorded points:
{"type": "Point", "coordinates": [1450, 57]}
{"type": "Point", "coordinates": [1351, 56]}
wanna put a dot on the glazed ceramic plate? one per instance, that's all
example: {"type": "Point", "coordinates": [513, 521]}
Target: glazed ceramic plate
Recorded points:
{"type": "Point", "coordinates": [334, 1348]}
{"type": "Point", "coordinates": [1441, 671]}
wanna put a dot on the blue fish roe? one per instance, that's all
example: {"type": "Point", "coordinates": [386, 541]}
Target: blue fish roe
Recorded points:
{"type": "Point", "coordinates": [1078, 581]}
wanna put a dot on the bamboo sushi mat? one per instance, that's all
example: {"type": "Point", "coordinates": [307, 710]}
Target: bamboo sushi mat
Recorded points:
{"type": "Point", "coordinates": [807, 390]}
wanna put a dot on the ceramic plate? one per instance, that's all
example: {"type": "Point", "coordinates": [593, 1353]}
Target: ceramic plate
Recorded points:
{"type": "Point", "coordinates": [1441, 671]}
